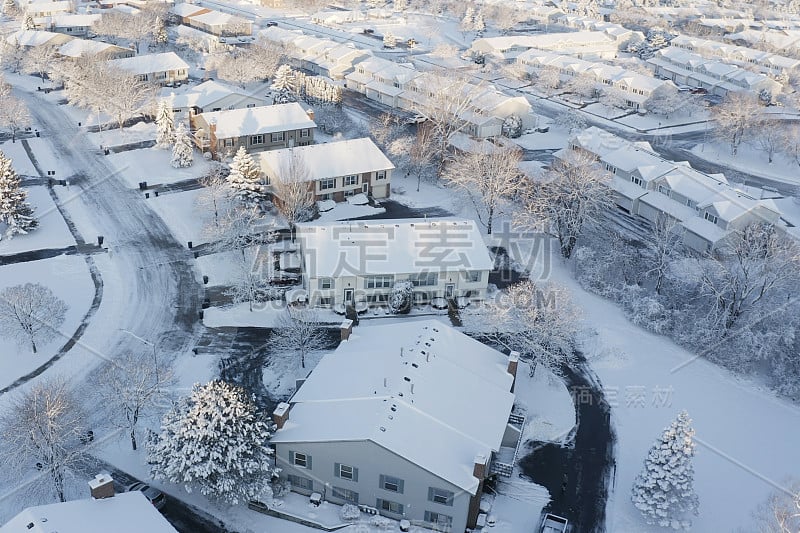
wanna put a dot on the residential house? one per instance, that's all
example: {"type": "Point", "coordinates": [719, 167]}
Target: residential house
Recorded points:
{"type": "Point", "coordinates": [706, 208]}
{"type": "Point", "coordinates": [48, 9]}
{"type": "Point", "coordinates": [71, 23]}
{"type": "Point", "coordinates": [766, 62]}
{"type": "Point", "coordinates": [715, 76]}
{"type": "Point", "coordinates": [221, 24]}
{"type": "Point", "coordinates": [359, 261]}
{"type": "Point", "coordinates": [408, 419]}
{"type": "Point", "coordinates": [256, 128]}
{"type": "Point", "coordinates": [618, 33]}
{"type": "Point", "coordinates": [128, 512]}
{"type": "Point", "coordinates": [34, 38]}
{"type": "Point", "coordinates": [160, 68]}
{"type": "Point", "coordinates": [334, 17]}
{"type": "Point", "coordinates": [77, 48]}
{"type": "Point", "coordinates": [334, 170]}
{"type": "Point", "coordinates": [337, 61]}
{"type": "Point", "coordinates": [212, 96]}
{"type": "Point", "coordinates": [580, 44]}
{"type": "Point", "coordinates": [381, 80]}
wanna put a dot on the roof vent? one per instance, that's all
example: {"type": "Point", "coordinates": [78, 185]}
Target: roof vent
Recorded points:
{"type": "Point", "coordinates": [394, 408]}
{"type": "Point", "coordinates": [415, 365]}
{"type": "Point", "coordinates": [406, 378]}
{"type": "Point", "coordinates": [383, 428]}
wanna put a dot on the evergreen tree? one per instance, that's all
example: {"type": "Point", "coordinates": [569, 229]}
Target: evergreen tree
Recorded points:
{"type": "Point", "coordinates": [15, 212]}
{"type": "Point", "coordinates": [389, 40]}
{"type": "Point", "coordinates": [284, 84]}
{"type": "Point", "coordinates": [183, 151]}
{"type": "Point", "coordinates": [215, 440]}
{"type": "Point", "coordinates": [664, 491]}
{"type": "Point", "coordinates": [160, 35]}
{"type": "Point", "coordinates": [245, 178]}
{"type": "Point", "coordinates": [9, 7]}
{"type": "Point", "coordinates": [165, 125]}
{"type": "Point", "coordinates": [28, 23]}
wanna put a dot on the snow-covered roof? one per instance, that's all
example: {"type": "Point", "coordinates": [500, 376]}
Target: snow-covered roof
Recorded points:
{"type": "Point", "coordinates": [36, 37]}
{"type": "Point", "coordinates": [149, 63]}
{"type": "Point", "coordinates": [400, 381]}
{"type": "Point", "coordinates": [328, 160]}
{"type": "Point", "coordinates": [258, 120]}
{"type": "Point", "coordinates": [705, 229]}
{"type": "Point", "coordinates": [206, 94]}
{"type": "Point", "coordinates": [400, 246]}
{"type": "Point", "coordinates": [185, 9]}
{"type": "Point", "coordinates": [627, 188]}
{"type": "Point", "coordinates": [128, 512]}
{"type": "Point", "coordinates": [218, 18]}
{"type": "Point", "coordinates": [48, 6]}
{"type": "Point", "coordinates": [72, 20]}
{"type": "Point", "coordinates": [82, 47]}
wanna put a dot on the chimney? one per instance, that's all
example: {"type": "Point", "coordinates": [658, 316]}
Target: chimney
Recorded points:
{"type": "Point", "coordinates": [281, 414]}
{"type": "Point", "coordinates": [479, 470]}
{"type": "Point", "coordinates": [513, 362]}
{"type": "Point", "coordinates": [102, 486]}
{"type": "Point", "coordinates": [310, 113]}
{"type": "Point", "coordinates": [346, 328]}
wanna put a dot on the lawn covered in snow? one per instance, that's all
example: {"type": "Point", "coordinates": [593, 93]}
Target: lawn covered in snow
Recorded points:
{"type": "Point", "coordinates": [68, 278]}
{"type": "Point", "coordinates": [750, 159]}
{"type": "Point", "coordinates": [180, 213]}
{"type": "Point", "coordinates": [263, 315]}
{"type": "Point", "coordinates": [20, 161]}
{"type": "Point", "coordinates": [51, 233]}
{"type": "Point", "coordinates": [153, 166]}
{"type": "Point", "coordinates": [48, 159]}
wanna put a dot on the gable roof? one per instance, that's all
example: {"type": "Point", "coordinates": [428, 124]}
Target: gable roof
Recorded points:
{"type": "Point", "coordinates": [207, 93]}
{"type": "Point", "coordinates": [146, 64]}
{"type": "Point", "coordinates": [401, 246]}
{"type": "Point", "coordinates": [401, 380]}
{"type": "Point", "coordinates": [258, 120]}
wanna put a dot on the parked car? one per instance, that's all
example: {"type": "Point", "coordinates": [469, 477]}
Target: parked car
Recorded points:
{"type": "Point", "coordinates": [155, 496]}
{"type": "Point", "coordinates": [699, 90]}
{"type": "Point", "coordinates": [270, 23]}
{"type": "Point", "coordinates": [369, 31]}
{"type": "Point", "coordinates": [684, 88]}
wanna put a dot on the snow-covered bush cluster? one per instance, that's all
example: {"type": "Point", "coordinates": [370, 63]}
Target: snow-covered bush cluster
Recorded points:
{"type": "Point", "coordinates": [400, 297]}
{"type": "Point", "coordinates": [349, 512]}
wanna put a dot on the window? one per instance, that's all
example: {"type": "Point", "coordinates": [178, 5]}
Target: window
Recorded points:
{"type": "Point", "coordinates": [392, 484]}
{"type": "Point", "coordinates": [636, 180]}
{"type": "Point", "coordinates": [345, 471]}
{"type": "Point", "coordinates": [301, 482]}
{"type": "Point", "coordinates": [711, 218]}
{"type": "Point", "coordinates": [276, 137]}
{"type": "Point", "coordinates": [230, 107]}
{"type": "Point", "coordinates": [473, 275]}
{"type": "Point", "coordinates": [379, 282]}
{"type": "Point", "coordinates": [444, 497]}
{"type": "Point", "coordinates": [663, 189]}
{"type": "Point", "coordinates": [377, 298]}
{"type": "Point", "coordinates": [345, 494]}
{"type": "Point", "coordinates": [300, 459]}
{"type": "Point", "coordinates": [160, 76]}
{"type": "Point", "coordinates": [326, 301]}
{"type": "Point", "coordinates": [256, 139]}
{"type": "Point", "coordinates": [351, 180]}
{"type": "Point", "coordinates": [326, 283]}
{"type": "Point", "coordinates": [251, 105]}
{"type": "Point", "coordinates": [327, 183]}
{"type": "Point", "coordinates": [424, 279]}
{"type": "Point", "coordinates": [439, 519]}
{"type": "Point", "coordinates": [228, 142]}
{"type": "Point", "coordinates": [389, 506]}
{"type": "Point", "coordinates": [381, 175]}
{"type": "Point", "coordinates": [304, 133]}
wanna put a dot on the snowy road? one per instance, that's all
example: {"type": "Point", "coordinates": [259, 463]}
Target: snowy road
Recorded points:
{"type": "Point", "coordinates": [155, 289]}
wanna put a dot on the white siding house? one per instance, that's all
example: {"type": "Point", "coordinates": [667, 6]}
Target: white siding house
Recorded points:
{"type": "Point", "coordinates": [407, 419]}
{"type": "Point", "coordinates": [161, 68]}
{"type": "Point", "coordinates": [359, 261]}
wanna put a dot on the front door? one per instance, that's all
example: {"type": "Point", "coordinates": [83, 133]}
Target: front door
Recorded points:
{"type": "Point", "coordinates": [449, 290]}
{"type": "Point", "coordinates": [365, 188]}
{"type": "Point", "coordinates": [348, 296]}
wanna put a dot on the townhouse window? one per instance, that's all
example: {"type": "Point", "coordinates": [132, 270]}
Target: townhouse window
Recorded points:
{"type": "Point", "coordinates": [300, 482]}
{"type": "Point", "coordinates": [176, 110]}
{"type": "Point", "coordinates": [441, 496]}
{"type": "Point", "coordinates": [443, 521]}
{"type": "Point", "coordinates": [397, 85]}
{"type": "Point", "coordinates": [379, 282]}
{"type": "Point", "coordinates": [473, 276]}
{"type": "Point", "coordinates": [691, 203]}
{"type": "Point", "coordinates": [637, 180]}
{"type": "Point", "coordinates": [304, 133]}
{"type": "Point", "coordinates": [227, 143]}
{"type": "Point", "coordinates": [389, 506]}
{"type": "Point", "coordinates": [711, 218]}
{"type": "Point", "coordinates": [276, 137]}
{"type": "Point", "coordinates": [345, 494]}
{"type": "Point", "coordinates": [327, 183]}
{"type": "Point", "coordinates": [351, 180]}
{"type": "Point", "coordinates": [380, 175]}
{"type": "Point", "coordinates": [301, 459]}
{"type": "Point", "coordinates": [424, 279]}
{"type": "Point", "coordinates": [345, 471]}
{"type": "Point", "coordinates": [663, 189]}
{"type": "Point", "coordinates": [390, 483]}
{"type": "Point", "coordinates": [326, 283]}
{"type": "Point", "coordinates": [251, 105]}
{"type": "Point", "coordinates": [160, 75]}
{"type": "Point", "coordinates": [256, 139]}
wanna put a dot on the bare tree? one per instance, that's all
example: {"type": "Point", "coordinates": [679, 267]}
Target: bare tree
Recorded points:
{"type": "Point", "coordinates": [769, 134]}
{"type": "Point", "coordinates": [583, 85]}
{"type": "Point", "coordinates": [735, 117]}
{"type": "Point", "coordinates": [665, 100]}
{"type": "Point", "coordinates": [240, 226]}
{"type": "Point", "coordinates": [257, 62]}
{"type": "Point", "coordinates": [662, 247]}
{"type": "Point", "coordinates": [781, 512]}
{"type": "Point", "coordinates": [571, 194]}
{"type": "Point", "coordinates": [44, 426]}
{"type": "Point", "coordinates": [540, 322]}
{"type": "Point", "coordinates": [30, 313]}
{"type": "Point", "coordinates": [250, 281]}
{"type": "Point", "coordinates": [126, 95]}
{"type": "Point", "coordinates": [216, 193]}
{"type": "Point", "coordinates": [790, 142]}
{"type": "Point", "coordinates": [293, 193]}
{"type": "Point", "coordinates": [547, 80]}
{"type": "Point", "coordinates": [14, 116]}
{"type": "Point", "coordinates": [299, 333]}
{"type": "Point", "coordinates": [422, 151]}
{"type": "Point", "coordinates": [131, 388]}
{"type": "Point", "coordinates": [39, 60]}
{"type": "Point", "coordinates": [490, 176]}
{"type": "Point", "coordinates": [11, 54]}
{"type": "Point", "coordinates": [756, 262]}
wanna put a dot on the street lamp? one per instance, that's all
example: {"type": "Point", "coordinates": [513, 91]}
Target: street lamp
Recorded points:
{"type": "Point", "coordinates": [155, 355]}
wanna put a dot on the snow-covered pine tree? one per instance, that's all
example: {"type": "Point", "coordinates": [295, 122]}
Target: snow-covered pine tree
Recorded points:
{"type": "Point", "coordinates": [467, 22]}
{"type": "Point", "coordinates": [9, 7]}
{"type": "Point", "coordinates": [215, 440]}
{"type": "Point", "coordinates": [400, 297]}
{"type": "Point", "coordinates": [400, 5]}
{"type": "Point", "coordinates": [512, 126]}
{"type": "Point", "coordinates": [245, 179]}
{"type": "Point", "coordinates": [478, 23]}
{"type": "Point", "coordinates": [15, 212]}
{"type": "Point", "coordinates": [165, 125]}
{"type": "Point", "coordinates": [28, 23]}
{"type": "Point", "coordinates": [389, 40]}
{"type": "Point", "coordinates": [160, 34]}
{"type": "Point", "coordinates": [284, 84]}
{"type": "Point", "coordinates": [664, 491]}
{"type": "Point", "coordinates": [183, 151]}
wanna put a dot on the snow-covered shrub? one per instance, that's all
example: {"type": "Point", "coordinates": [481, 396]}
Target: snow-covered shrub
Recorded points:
{"type": "Point", "coordinates": [380, 522]}
{"type": "Point", "coordinates": [646, 310]}
{"type": "Point", "coordinates": [400, 297]}
{"type": "Point", "coordinates": [512, 126]}
{"type": "Point", "coordinates": [349, 512]}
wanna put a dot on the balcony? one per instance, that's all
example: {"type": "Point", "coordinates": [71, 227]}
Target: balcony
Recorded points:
{"type": "Point", "coordinates": [505, 458]}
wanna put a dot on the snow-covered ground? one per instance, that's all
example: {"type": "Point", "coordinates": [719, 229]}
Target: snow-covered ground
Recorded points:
{"type": "Point", "coordinates": [20, 161]}
{"type": "Point", "coordinates": [153, 166]}
{"type": "Point", "coordinates": [750, 159]}
{"type": "Point", "coordinates": [48, 159]}
{"type": "Point", "coordinates": [180, 213]}
{"type": "Point", "coordinates": [112, 136]}
{"type": "Point", "coordinates": [263, 315]}
{"type": "Point", "coordinates": [346, 210]}
{"type": "Point", "coordinates": [68, 278]}
{"type": "Point", "coordinates": [51, 233]}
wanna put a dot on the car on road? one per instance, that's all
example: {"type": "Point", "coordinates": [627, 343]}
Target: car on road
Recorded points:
{"type": "Point", "coordinates": [416, 119]}
{"type": "Point", "coordinates": [270, 23]}
{"type": "Point", "coordinates": [155, 496]}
